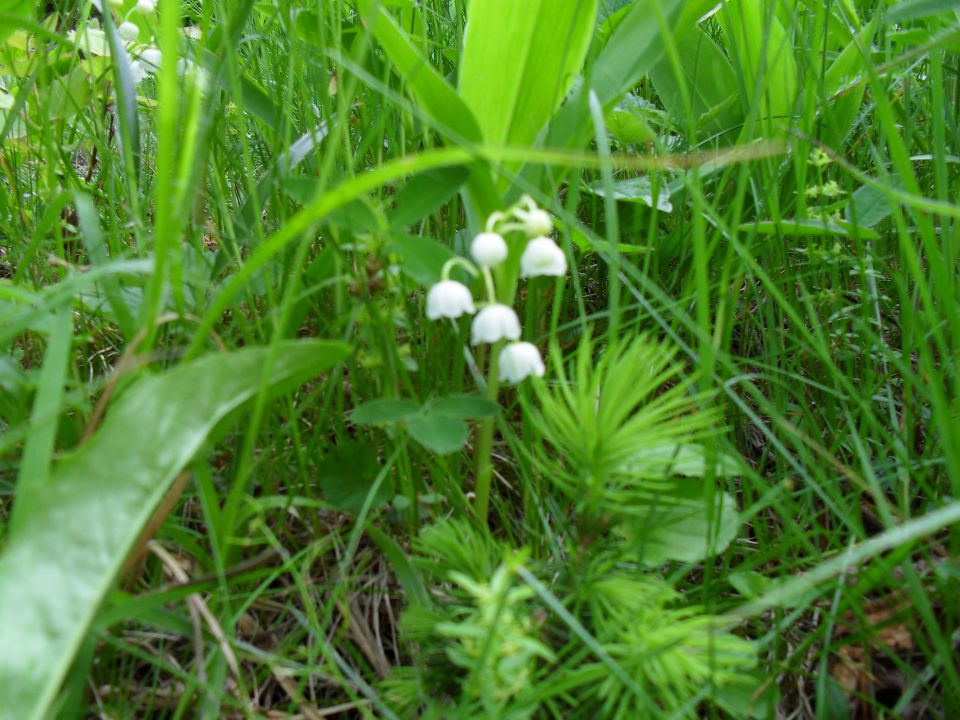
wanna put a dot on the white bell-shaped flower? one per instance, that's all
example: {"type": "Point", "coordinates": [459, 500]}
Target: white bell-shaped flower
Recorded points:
{"type": "Point", "coordinates": [145, 6]}
{"type": "Point", "coordinates": [542, 256]}
{"type": "Point", "coordinates": [519, 360]}
{"type": "Point", "coordinates": [536, 222]}
{"type": "Point", "coordinates": [494, 323]}
{"type": "Point", "coordinates": [138, 72]}
{"type": "Point", "coordinates": [488, 249]}
{"type": "Point", "coordinates": [449, 299]}
{"type": "Point", "coordinates": [151, 58]}
{"type": "Point", "coordinates": [128, 32]}
{"type": "Point", "coordinates": [194, 74]}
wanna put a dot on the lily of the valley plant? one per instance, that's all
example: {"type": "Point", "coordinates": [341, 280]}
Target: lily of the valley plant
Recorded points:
{"type": "Point", "coordinates": [496, 323]}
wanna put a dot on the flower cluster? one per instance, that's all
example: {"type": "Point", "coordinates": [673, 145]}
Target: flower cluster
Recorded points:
{"type": "Point", "coordinates": [495, 321]}
{"type": "Point", "coordinates": [148, 57]}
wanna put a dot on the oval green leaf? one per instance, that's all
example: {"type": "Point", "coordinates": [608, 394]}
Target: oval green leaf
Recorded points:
{"type": "Point", "coordinates": [349, 473]}
{"type": "Point", "coordinates": [810, 228]}
{"type": "Point", "coordinates": [71, 535]}
{"type": "Point", "coordinates": [464, 407]}
{"type": "Point", "coordinates": [426, 192]}
{"type": "Point", "coordinates": [677, 527]}
{"type": "Point", "coordinates": [377, 412]}
{"type": "Point", "coordinates": [439, 434]}
{"type": "Point", "coordinates": [520, 60]}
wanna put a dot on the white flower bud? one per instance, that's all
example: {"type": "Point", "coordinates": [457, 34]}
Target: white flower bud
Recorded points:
{"type": "Point", "coordinates": [542, 256]}
{"type": "Point", "coordinates": [449, 299]}
{"type": "Point", "coordinates": [151, 58]}
{"type": "Point", "coordinates": [128, 32]}
{"type": "Point", "coordinates": [519, 360]}
{"type": "Point", "coordinates": [488, 249]}
{"type": "Point", "coordinates": [145, 7]}
{"type": "Point", "coordinates": [494, 323]}
{"type": "Point", "coordinates": [536, 222]}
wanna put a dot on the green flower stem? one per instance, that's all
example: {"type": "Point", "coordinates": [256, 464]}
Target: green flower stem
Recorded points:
{"type": "Point", "coordinates": [455, 261]}
{"type": "Point", "coordinates": [504, 278]}
{"type": "Point", "coordinates": [489, 286]}
{"type": "Point", "coordinates": [484, 460]}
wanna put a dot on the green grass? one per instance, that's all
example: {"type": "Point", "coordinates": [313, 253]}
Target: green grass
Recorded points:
{"type": "Point", "coordinates": [783, 342]}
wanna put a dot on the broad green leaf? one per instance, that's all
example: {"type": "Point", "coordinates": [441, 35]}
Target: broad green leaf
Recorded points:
{"type": "Point", "coordinates": [90, 40]}
{"type": "Point", "coordinates": [70, 93]}
{"type": "Point", "coordinates": [10, 12]}
{"type": "Point", "coordinates": [377, 412]}
{"type": "Point", "coordinates": [464, 407]}
{"type": "Point", "coordinates": [519, 61]}
{"type": "Point", "coordinates": [425, 193]}
{"type": "Point", "coordinates": [709, 80]}
{"type": "Point", "coordinates": [72, 535]}
{"type": "Point", "coordinates": [868, 207]}
{"type": "Point", "coordinates": [259, 104]}
{"type": "Point", "coordinates": [755, 698]}
{"type": "Point", "coordinates": [634, 47]}
{"type": "Point", "coordinates": [609, 8]}
{"type": "Point", "coordinates": [430, 90]}
{"type": "Point", "coordinates": [675, 527]}
{"type": "Point", "coordinates": [842, 22]}
{"type": "Point", "coordinates": [355, 216]}
{"type": "Point", "coordinates": [420, 257]}
{"type": "Point", "coordinates": [435, 96]}
{"type": "Point", "coordinates": [917, 9]}
{"type": "Point", "coordinates": [322, 267]}
{"type": "Point", "coordinates": [438, 433]}
{"type": "Point", "coordinates": [632, 120]}
{"type": "Point", "coordinates": [688, 460]}
{"type": "Point", "coordinates": [347, 475]}
{"type": "Point", "coordinates": [809, 228]}
{"type": "Point", "coordinates": [839, 115]}
{"type": "Point", "coordinates": [761, 48]}
{"type": "Point", "coordinates": [638, 189]}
